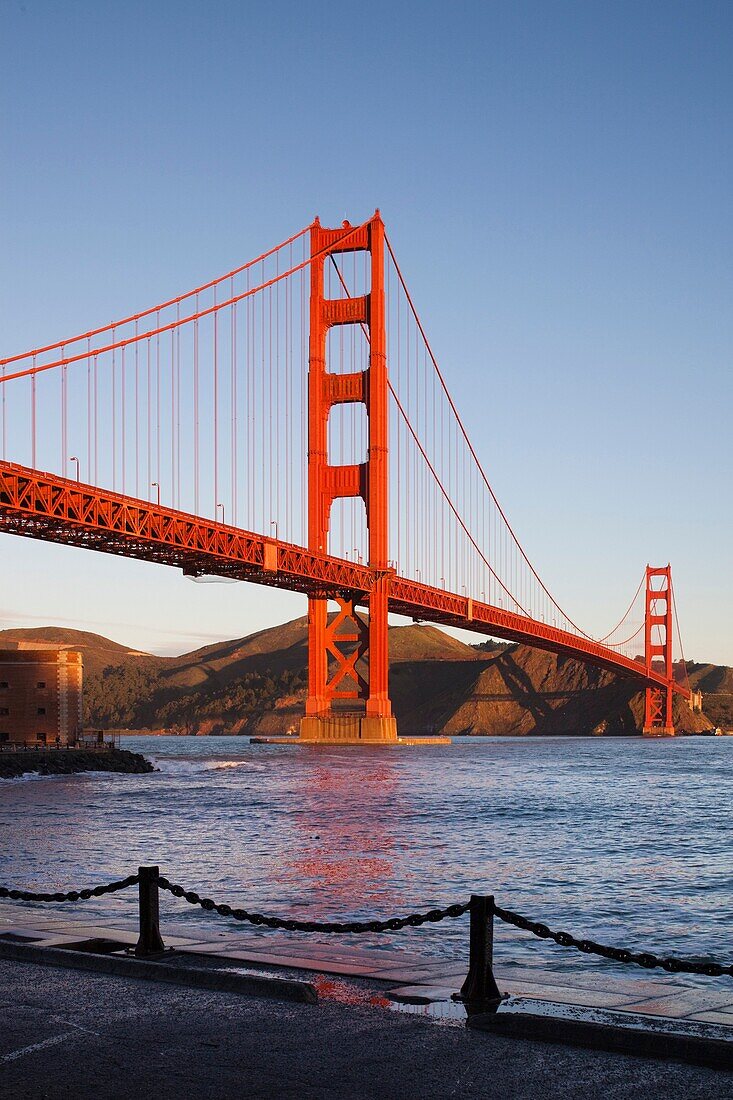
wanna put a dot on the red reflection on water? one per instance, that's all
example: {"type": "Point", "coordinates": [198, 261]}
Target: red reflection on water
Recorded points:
{"type": "Point", "coordinates": [347, 836]}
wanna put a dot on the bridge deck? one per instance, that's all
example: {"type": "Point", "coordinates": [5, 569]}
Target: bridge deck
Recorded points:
{"type": "Point", "coordinates": [44, 506]}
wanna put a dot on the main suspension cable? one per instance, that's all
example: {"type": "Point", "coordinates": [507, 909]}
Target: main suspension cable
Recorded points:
{"type": "Point", "coordinates": [155, 309]}
{"type": "Point", "coordinates": [171, 326]}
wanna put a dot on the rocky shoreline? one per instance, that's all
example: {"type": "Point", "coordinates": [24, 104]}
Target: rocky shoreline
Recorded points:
{"type": "Point", "coordinates": [70, 761]}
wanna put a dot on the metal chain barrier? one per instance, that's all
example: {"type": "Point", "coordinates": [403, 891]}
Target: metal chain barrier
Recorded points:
{"type": "Point", "coordinates": [393, 925]}
{"type": "Point", "coordinates": [70, 895]}
{"type": "Point", "coordinates": [645, 959]}
{"type": "Point", "coordinates": [619, 954]}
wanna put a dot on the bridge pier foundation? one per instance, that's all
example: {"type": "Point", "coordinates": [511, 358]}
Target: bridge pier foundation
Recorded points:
{"type": "Point", "coordinates": [658, 721]}
{"type": "Point", "coordinates": [348, 729]}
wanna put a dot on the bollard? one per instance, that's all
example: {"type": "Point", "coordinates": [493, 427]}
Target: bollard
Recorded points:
{"type": "Point", "coordinates": [480, 991]}
{"type": "Point", "coordinates": [149, 942]}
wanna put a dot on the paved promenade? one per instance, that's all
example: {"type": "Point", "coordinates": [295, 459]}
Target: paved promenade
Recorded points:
{"type": "Point", "coordinates": [407, 977]}
{"type": "Point", "coordinates": [384, 1026]}
{"type": "Point", "coordinates": [69, 1034]}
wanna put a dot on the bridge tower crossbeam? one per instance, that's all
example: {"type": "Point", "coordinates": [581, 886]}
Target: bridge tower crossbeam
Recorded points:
{"type": "Point", "coordinates": [334, 648]}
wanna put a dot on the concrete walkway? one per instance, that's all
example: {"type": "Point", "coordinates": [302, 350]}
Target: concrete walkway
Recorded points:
{"type": "Point", "coordinates": [72, 1034]}
{"type": "Point", "coordinates": [407, 977]}
{"type": "Point", "coordinates": [384, 1025]}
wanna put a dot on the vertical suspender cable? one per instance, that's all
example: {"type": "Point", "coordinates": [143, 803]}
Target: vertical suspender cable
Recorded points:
{"type": "Point", "coordinates": [196, 459]}
{"type": "Point", "coordinates": [123, 420]}
{"type": "Point", "coordinates": [178, 408]}
{"type": "Point", "coordinates": [288, 397]}
{"type": "Point", "coordinates": [216, 409]}
{"type": "Point", "coordinates": [89, 413]}
{"type": "Point", "coordinates": [149, 468]}
{"type": "Point", "coordinates": [64, 419]}
{"type": "Point", "coordinates": [173, 419]}
{"type": "Point", "coordinates": [233, 387]}
{"type": "Point", "coordinates": [157, 406]}
{"type": "Point", "coordinates": [96, 421]}
{"type": "Point", "coordinates": [33, 418]}
{"type": "Point", "coordinates": [137, 414]}
{"type": "Point", "coordinates": [114, 417]}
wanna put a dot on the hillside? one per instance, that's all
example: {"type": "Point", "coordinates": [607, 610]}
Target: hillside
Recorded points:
{"type": "Point", "coordinates": [438, 685]}
{"type": "Point", "coordinates": [97, 651]}
{"type": "Point", "coordinates": [716, 684]}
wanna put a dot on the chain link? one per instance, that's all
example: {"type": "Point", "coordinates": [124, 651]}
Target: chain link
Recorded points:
{"type": "Point", "coordinates": [414, 920]}
{"type": "Point", "coordinates": [70, 895]}
{"type": "Point", "coordinates": [618, 954]}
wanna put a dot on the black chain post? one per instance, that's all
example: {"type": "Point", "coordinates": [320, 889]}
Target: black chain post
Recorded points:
{"type": "Point", "coordinates": [480, 992]}
{"type": "Point", "coordinates": [150, 942]}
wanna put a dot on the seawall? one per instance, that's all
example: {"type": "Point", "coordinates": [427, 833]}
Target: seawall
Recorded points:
{"type": "Point", "coordinates": [69, 761]}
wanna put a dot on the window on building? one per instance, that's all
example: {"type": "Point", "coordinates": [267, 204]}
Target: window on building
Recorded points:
{"type": "Point", "coordinates": [4, 710]}
{"type": "Point", "coordinates": [41, 684]}
{"type": "Point", "coordinates": [41, 710]}
{"type": "Point", "coordinates": [4, 736]}
{"type": "Point", "coordinates": [4, 684]}
{"type": "Point", "coordinates": [41, 737]}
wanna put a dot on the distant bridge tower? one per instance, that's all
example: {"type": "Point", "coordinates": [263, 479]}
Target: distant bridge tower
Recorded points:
{"type": "Point", "coordinates": [335, 647]}
{"type": "Point", "coordinates": [658, 650]}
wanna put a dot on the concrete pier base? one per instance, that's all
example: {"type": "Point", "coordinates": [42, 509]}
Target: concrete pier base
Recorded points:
{"type": "Point", "coordinates": [348, 728]}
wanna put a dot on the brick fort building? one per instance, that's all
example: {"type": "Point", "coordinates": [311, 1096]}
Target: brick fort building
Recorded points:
{"type": "Point", "coordinates": [40, 695]}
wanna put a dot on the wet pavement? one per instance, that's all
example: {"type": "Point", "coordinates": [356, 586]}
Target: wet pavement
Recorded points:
{"type": "Point", "coordinates": [384, 1026]}
{"type": "Point", "coordinates": [67, 1033]}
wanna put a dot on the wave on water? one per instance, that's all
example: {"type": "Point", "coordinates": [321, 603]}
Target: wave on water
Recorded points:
{"type": "Point", "coordinates": [194, 765]}
{"type": "Point", "coordinates": [217, 765]}
{"type": "Point", "coordinates": [27, 777]}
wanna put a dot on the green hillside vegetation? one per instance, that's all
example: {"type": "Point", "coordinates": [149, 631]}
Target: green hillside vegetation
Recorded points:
{"type": "Point", "coordinates": [130, 697]}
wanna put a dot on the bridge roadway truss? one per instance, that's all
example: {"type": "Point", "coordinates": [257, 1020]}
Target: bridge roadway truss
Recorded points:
{"type": "Point", "coordinates": [44, 506]}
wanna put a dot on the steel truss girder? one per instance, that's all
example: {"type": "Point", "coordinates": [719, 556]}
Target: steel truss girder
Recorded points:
{"type": "Point", "coordinates": [43, 506]}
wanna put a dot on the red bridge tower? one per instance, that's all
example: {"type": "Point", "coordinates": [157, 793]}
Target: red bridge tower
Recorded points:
{"type": "Point", "coordinates": [658, 650]}
{"type": "Point", "coordinates": [335, 647]}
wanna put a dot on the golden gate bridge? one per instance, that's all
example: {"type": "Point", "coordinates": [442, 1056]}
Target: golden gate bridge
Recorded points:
{"type": "Point", "coordinates": [288, 424]}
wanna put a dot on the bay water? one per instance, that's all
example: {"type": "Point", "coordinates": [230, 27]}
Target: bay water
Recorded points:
{"type": "Point", "coordinates": [626, 841]}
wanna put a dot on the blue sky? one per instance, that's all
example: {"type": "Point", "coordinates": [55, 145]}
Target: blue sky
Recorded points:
{"type": "Point", "coordinates": [556, 180]}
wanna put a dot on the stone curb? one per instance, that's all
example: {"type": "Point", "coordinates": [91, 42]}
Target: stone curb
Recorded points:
{"type": "Point", "coordinates": [618, 1032]}
{"type": "Point", "coordinates": [280, 989]}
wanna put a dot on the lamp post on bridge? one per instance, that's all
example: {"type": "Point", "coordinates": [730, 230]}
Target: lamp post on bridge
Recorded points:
{"type": "Point", "coordinates": [156, 486]}
{"type": "Point", "coordinates": [222, 511]}
{"type": "Point", "coordinates": [76, 460]}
